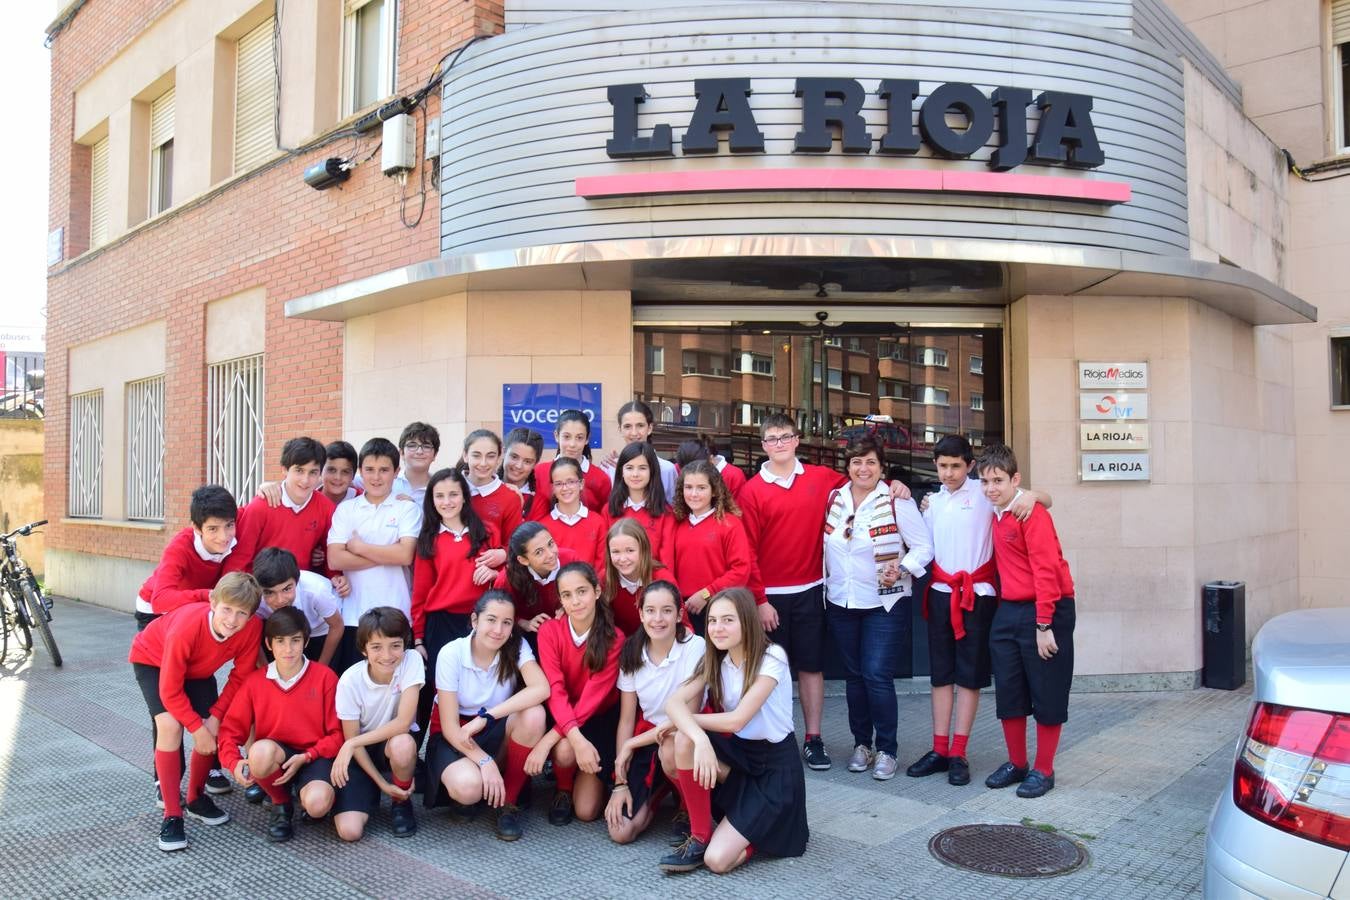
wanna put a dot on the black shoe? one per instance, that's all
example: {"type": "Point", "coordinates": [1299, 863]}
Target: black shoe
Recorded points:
{"type": "Point", "coordinates": [560, 813]}
{"type": "Point", "coordinates": [813, 751]}
{"type": "Point", "coordinates": [280, 826]}
{"type": "Point", "coordinates": [404, 819]}
{"type": "Point", "coordinates": [204, 810]}
{"type": "Point", "coordinates": [958, 770]}
{"type": "Point", "coordinates": [217, 783]}
{"type": "Point", "coordinates": [930, 763]}
{"type": "Point", "coordinates": [171, 834]}
{"type": "Point", "coordinates": [679, 827]}
{"type": "Point", "coordinates": [463, 813]}
{"type": "Point", "coordinates": [1005, 775]}
{"type": "Point", "coordinates": [1036, 785]}
{"type": "Point", "coordinates": [685, 858]}
{"type": "Point", "coordinates": [508, 823]}
{"type": "Point", "coordinates": [255, 794]}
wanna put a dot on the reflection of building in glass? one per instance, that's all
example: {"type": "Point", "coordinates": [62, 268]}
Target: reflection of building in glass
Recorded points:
{"type": "Point", "coordinates": [21, 392]}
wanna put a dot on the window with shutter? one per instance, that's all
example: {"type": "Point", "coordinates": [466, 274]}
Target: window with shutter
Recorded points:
{"type": "Point", "coordinates": [368, 52]}
{"type": "Point", "coordinates": [1340, 55]}
{"type": "Point", "coordinates": [161, 152]}
{"type": "Point", "coordinates": [98, 194]}
{"type": "Point", "coordinates": [255, 99]}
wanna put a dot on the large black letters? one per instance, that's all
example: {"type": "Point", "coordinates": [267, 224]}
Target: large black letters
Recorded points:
{"type": "Point", "coordinates": [722, 107]}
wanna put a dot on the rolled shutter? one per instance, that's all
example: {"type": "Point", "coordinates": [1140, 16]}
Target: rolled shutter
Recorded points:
{"type": "Point", "coordinates": [254, 99]}
{"type": "Point", "coordinates": [1340, 22]}
{"type": "Point", "coordinates": [98, 193]}
{"type": "Point", "coordinates": [161, 119]}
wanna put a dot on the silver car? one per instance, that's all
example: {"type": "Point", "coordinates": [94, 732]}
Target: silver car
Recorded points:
{"type": "Point", "coordinates": [1282, 829]}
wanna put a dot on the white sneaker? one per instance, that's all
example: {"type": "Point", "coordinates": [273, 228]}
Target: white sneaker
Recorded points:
{"type": "Point", "coordinates": [862, 759]}
{"type": "Point", "coordinates": [886, 766]}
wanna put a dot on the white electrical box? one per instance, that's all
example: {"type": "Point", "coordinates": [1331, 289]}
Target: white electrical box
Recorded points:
{"type": "Point", "coordinates": [399, 152]}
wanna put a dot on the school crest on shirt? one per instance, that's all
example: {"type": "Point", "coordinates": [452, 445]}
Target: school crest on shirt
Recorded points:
{"type": "Point", "coordinates": [392, 522]}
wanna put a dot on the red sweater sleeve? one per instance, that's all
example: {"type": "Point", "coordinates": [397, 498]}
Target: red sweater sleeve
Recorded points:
{"type": "Point", "coordinates": [665, 551]}
{"type": "Point", "coordinates": [328, 746]}
{"type": "Point", "coordinates": [424, 576]}
{"type": "Point", "coordinates": [179, 645]}
{"type": "Point", "coordinates": [551, 661]}
{"type": "Point", "coordinates": [511, 517]}
{"type": "Point", "coordinates": [1043, 554]}
{"type": "Point", "coordinates": [737, 560]}
{"type": "Point", "coordinates": [245, 662]}
{"type": "Point", "coordinates": [235, 726]}
{"type": "Point", "coordinates": [247, 533]}
{"type": "Point", "coordinates": [172, 580]}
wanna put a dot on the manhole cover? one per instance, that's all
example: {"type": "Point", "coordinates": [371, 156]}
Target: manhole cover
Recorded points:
{"type": "Point", "coordinates": [1011, 850]}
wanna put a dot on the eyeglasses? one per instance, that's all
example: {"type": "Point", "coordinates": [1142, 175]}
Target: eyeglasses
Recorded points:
{"type": "Point", "coordinates": [418, 448]}
{"type": "Point", "coordinates": [848, 527]}
{"type": "Point", "coordinates": [777, 440]}
{"type": "Point", "coordinates": [567, 484]}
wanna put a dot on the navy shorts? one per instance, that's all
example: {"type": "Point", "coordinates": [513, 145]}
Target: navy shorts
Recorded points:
{"type": "Point", "coordinates": [202, 693]}
{"type": "Point", "coordinates": [1025, 684]}
{"type": "Point", "coordinates": [801, 627]}
{"type": "Point", "coordinates": [361, 793]}
{"type": "Point", "coordinates": [964, 663]}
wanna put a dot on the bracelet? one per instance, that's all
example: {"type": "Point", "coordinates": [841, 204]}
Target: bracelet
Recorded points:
{"type": "Point", "coordinates": [482, 763]}
{"type": "Point", "coordinates": [621, 786]}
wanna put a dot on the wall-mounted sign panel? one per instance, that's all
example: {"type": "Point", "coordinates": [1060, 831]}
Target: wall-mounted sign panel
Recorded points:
{"type": "Point", "coordinates": [1114, 436]}
{"type": "Point", "coordinates": [1118, 376]}
{"type": "Point", "coordinates": [537, 406]}
{"type": "Point", "coordinates": [1114, 467]}
{"type": "Point", "coordinates": [1107, 405]}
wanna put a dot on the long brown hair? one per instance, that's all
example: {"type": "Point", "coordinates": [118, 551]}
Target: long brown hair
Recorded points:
{"type": "Point", "coordinates": [630, 655]}
{"type": "Point", "coordinates": [754, 644]}
{"type": "Point", "coordinates": [508, 657]}
{"type": "Point", "coordinates": [646, 566]}
{"type": "Point", "coordinates": [518, 577]}
{"type": "Point", "coordinates": [721, 497]}
{"type": "Point", "coordinates": [602, 634]}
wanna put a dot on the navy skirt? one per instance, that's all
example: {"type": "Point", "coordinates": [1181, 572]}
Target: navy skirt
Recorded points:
{"type": "Point", "coordinates": [764, 796]}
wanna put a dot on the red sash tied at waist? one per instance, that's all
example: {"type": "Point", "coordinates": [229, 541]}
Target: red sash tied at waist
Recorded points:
{"type": "Point", "coordinates": [963, 591]}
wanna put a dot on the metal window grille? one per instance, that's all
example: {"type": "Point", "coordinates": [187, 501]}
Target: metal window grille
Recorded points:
{"type": "Point", "coordinates": [86, 455]}
{"type": "Point", "coordinates": [145, 449]}
{"type": "Point", "coordinates": [234, 411]}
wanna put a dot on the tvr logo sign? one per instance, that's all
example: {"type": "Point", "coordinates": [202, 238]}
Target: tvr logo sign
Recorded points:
{"type": "Point", "coordinates": [1115, 405]}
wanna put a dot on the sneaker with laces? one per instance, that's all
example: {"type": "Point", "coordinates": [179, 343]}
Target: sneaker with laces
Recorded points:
{"type": "Point", "coordinates": [217, 783]}
{"type": "Point", "coordinates": [171, 834]}
{"type": "Point", "coordinates": [685, 858]}
{"type": "Point", "coordinates": [560, 813]}
{"type": "Point", "coordinates": [508, 823]}
{"type": "Point", "coordinates": [204, 810]}
{"type": "Point", "coordinates": [885, 767]}
{"type": "Point", "coordinates": [813, 751]}
{"type": "Point", "coordinates": [862, 759]}
{"type": "Point", "coordinates": [281, 824]}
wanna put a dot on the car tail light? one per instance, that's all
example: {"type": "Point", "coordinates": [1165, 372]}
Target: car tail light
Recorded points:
{"type": "Point", "coordinates": [1293, 772]}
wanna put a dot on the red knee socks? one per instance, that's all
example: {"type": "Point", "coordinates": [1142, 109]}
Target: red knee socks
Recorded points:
{"type": "Point", "coordinates": [940, 745]}
{"type": "Point", "coordinates": [566, 775]}
{"type": "Point", "coordinates": [1047, 741]}
{"type": "Point", "coordinates": [1015, 736]}
{"type": "Point", "coordinates": [698, 801]}
{"type": "Point", "coordinates": [959, 744]}
{"type": "Point", "coordinates": [278, 793]}
{"type": "Point", "coordinates": [514, 777]}
{"type": "Point", "coordinates": [403, 783]}
{"type": "Point", "coordinates": [198, 770]}
{"type": "Point", "coordinates": [169, 771]}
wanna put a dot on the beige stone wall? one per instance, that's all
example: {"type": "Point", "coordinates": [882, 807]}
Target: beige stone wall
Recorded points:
{"type": "Point", "coordinates": [21, 484]}
{"type": "Point", "coordinates": [444, 361]}
{"type": "Point", "coordinates": [1221, 501]}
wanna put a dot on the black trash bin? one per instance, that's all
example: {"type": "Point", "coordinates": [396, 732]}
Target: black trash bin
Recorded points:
{"type": "Point", "coordinates": [1224, 620]}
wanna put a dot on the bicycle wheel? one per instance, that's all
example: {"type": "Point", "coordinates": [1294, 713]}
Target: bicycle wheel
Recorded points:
{"type": "Point", "coordinates": [18, 618]}
{"type": "Point", "coordinates": [38, 615]}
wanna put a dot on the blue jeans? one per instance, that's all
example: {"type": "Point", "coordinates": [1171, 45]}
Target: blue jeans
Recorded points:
{"type": "Point", "coordinates": [868, 640]}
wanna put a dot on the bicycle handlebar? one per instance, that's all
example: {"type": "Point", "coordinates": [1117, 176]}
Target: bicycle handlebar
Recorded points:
{"type": "Point", "coordinates": [26, 530]}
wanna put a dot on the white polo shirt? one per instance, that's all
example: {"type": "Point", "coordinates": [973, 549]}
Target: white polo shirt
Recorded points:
{"type": "Point", "coordinates": [962, 525]}
{"type": "Point", "coordinates": [851, 564]}
{"type": "Point", "coordinates": [361, 699]}
{"type": "Point", "coordinates": [315, 599]}
{"type": "Point", "coordinates": [401, 487]}
{"type": "Point", "coordinates": [773, 721]}
{"type": "Point", "coordinates": [654, 683]}
{"type": "Point", "coordinates": [382, 524]}
{"type": "Point", "coordinates": [474, 687]}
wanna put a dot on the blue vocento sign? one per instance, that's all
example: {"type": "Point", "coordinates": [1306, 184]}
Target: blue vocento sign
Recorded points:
{"type": "Point", "coordinates": [537, 406]}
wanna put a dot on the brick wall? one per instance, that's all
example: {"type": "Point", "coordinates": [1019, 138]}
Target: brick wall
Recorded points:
{"type": "Point", "coordinates": [268, 229]}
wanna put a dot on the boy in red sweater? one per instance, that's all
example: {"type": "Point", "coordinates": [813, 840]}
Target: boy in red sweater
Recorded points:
{"type": "Point", "coordinates": [290, 706]}
{"type": "Point", "coordinates": [784, 509]}
{"type": "Point", "coordinates": [175, 661]}
{"type": "Point", "coordinates": [1031, 640]}
{"type": "Point", "coordinates": [299, 523]}
{"type": "Point", "coordinates": [193, 561]}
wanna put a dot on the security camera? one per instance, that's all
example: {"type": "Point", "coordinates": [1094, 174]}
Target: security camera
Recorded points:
{"type": "Point", "coordinates": [822, 315]}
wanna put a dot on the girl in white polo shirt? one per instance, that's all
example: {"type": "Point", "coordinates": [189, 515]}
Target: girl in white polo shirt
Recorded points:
{"type": "Point", "coordinates": [490, 694]}
{"type": "Point", "coordinates": [756, 771]}
{"type": "Point", "coordinates": [655, 660]}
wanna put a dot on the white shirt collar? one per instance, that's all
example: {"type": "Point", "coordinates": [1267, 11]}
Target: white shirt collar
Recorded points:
{"type": "Point", "coordinates": [485, 489]}
{"type": "Point", "coordinates": [1000, 510]}
{"type": "Point", "coordinates": [629, 586]}
{"type": "Point", "coordinates": [969, 482]}
{"type": "Point", "coordinates": [207, 555]}
{"type": "Point", "coordinates": [695, 519]}
{"type": "Point", "coordinates": [459, 535]}
{"type": "Point", "coordinates": [286, 683]}
{"type": "Point", "coordinates": [573, 519]}
{"type": "Point", "coordinates": [286, 500]}
{"type": "Point", "coordinates": [781, 480]}
{"type": "Point", "coordinates": [577, 639]}
{"type": "Point", "coordinates": [211, 626]}
{"type": "Point", "coordinates": [720, 462]}
{"type": "Point", "coordinates": [630, 503]}
{"type": "Point", "coordinates": [675, 650]}
{"type": "Point", "coordinates": [551, 575]}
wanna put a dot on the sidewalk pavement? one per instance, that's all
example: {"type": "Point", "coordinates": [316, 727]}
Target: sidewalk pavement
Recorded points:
{"type": "Point", "coordinates": [1136, 776]}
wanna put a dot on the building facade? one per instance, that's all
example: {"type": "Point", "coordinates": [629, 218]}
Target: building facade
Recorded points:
{"type": "Point", "coordinates": [1068, 226]}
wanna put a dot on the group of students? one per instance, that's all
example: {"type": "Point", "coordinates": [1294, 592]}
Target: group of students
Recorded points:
{"type": "Point", "coordinates": [557, 606]}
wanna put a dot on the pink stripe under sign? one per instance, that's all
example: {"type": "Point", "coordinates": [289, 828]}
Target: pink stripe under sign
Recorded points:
{"type": "Point", "coordinates": [719, 180]}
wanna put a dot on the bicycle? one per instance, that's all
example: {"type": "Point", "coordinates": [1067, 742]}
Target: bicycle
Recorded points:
{"type": "Point", "coordinates": [23, 607]}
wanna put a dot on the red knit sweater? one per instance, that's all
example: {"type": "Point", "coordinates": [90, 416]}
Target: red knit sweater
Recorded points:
{"type": "Point", "coordinates": [595, 489]}
{"type": "Point", "coordinates": [260, 525]}
{"type": "Point", "coordinates": [183, 648]}
{"type": "Point", "coordinates": [1031, 565]}
{"type": "Point", "coordinates": [500, 512]}
{"type": "Point", "coordinates": [444, 583]}
{"type": "Point", "coordinates": [586, 538]}
{"type": "Point", "coordinates": [784, 526]}
{"type": "Point", "coordinates": [547, 599]}
{"type": "Point", "coordinates": [575, 692]}
{"type": "Point", "coordinates": [628, 608]}
{"type": "Point", "coordinates": [303, 718]}
{"type": "Point", "coordinates": [734, 479]}
{"type": "Point", "coordinates": [182, 576]}
{"type": "Point", "coordinates": [660, 532]}
{"type": "Point", "coordinates": [715, 554]}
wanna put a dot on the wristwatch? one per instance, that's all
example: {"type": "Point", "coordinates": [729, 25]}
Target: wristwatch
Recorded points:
{"type": "Point", "coordinates": [1042, 626]}
{"type": "Point", "coordinates": [487, 717]}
